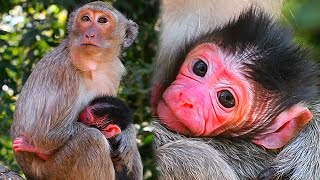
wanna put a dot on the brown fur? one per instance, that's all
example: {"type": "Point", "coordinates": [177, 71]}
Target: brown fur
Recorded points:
{"type": "Point", "coordinates": [54, 94]}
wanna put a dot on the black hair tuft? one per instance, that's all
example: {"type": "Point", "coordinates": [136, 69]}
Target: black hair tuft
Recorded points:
{"type": "Point", "coordinates": [269, 56]}
{"type": "Point", "coordinates": [117, 110]}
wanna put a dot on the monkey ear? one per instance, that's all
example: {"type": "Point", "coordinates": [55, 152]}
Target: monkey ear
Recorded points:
{"type": "Point", "coordinates": [131, 33]}
{"type": "Point", "coordinates": [156, 92]}
{"type": "Point", "coordinates": [285, 127]}
{"type": "Point", "coordinates": [111, 130]}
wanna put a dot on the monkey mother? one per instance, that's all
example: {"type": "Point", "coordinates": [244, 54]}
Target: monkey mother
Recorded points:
{"type": "Point", "coordinates": [85, 65]}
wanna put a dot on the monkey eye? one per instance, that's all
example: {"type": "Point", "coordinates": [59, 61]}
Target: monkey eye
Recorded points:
{"type": "Point", "coordinates": [226, 99]}
{"type": "Point", "coordinates": [102, 20]}
{"type": "Point", "coordinates": [85, 18]}
{"type": "Point", "coordinates": [200, 68]}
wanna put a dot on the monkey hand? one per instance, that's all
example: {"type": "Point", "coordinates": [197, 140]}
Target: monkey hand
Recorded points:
{"type": "Point", "coordinates": [125, 155]}
{"type": "Point", "coordinates": [120, 147]}
{"type": "Point", "coordinates": [22, 144]}
{"type": "Point", "coordinates": [271, 173]}
{"type": "Point", "coordinates": [267, 174]}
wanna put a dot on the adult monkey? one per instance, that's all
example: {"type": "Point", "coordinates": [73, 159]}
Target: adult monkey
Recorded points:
{"type": "Point", "coordinates": [85, 65]}
{"type": "Point", "coordinates": [233, 158]}
{"type": "Point", "coordinates": [114, 119]}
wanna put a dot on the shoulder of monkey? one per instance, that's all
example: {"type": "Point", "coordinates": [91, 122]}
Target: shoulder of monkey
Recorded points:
{"type": "Point", "coordinates": [178, 157]}
{"type": "Point", "coordinates": [50, 81]}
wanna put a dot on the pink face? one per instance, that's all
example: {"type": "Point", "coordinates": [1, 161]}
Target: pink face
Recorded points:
{"type": "Point", "coordinates": [109, 130]}
{"type": "Point", "coordinates": [209, 95]}
{"type": "Point", "coordinates": [86, 117]}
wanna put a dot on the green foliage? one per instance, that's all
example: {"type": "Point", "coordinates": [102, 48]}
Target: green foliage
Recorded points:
{"type": "Point", "coordinates": [304, 17]}
{"type": "Point", "coordinates": [29, 29]}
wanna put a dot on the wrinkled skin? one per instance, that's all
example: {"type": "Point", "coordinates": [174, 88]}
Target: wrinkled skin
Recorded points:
{"type": "Point", "coordinates": [222, 102]}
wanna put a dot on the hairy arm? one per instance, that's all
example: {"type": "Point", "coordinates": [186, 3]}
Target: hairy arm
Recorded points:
{"type": "Point", "coordinates": [125, 155]}
{"type": "Point", "coordinates": [48, 104]}
{"type": "Point", "coordinates": [182, 158]}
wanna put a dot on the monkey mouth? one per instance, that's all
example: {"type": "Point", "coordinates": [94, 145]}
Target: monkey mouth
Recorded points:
{"type": "Point", "coordinates": [90, 45]}
{"type": "Point", "coordinates": [172, 121]}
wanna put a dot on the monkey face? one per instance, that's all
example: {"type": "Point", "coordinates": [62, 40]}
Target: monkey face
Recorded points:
{"type": "Point", "coordinates": [87, 117]}
{"type": "Point", "coordinates": [95, 28]}
{"type": "Point", "coordinates": [209, 95]}
{"type": "Point", "coordinates": [213, 95]}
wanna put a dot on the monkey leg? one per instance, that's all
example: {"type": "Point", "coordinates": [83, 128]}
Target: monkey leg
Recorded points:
{"type": "Point", "coordinates": [21, 144]}
{"type": "Point", "coordinates": [85, 156]}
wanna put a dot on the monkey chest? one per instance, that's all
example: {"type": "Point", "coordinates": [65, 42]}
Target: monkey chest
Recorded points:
{"type": "Point", "coordinates": [98, 83]}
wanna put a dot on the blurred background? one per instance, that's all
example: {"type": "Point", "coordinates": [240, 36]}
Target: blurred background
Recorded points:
{"type": "Point", "coordinates": [29, 29]}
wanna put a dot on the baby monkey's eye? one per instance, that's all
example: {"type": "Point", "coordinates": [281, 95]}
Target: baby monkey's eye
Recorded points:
{"type": "Point", "coordinates": [226, 99]}
{"type": "Point", "coordinates": [200, 68]}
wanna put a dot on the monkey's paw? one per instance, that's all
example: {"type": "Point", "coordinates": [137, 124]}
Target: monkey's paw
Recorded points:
{"type": "Point", "coordinates": [21, 144]}
{"type": "Point", "coordinates": [270, 174]}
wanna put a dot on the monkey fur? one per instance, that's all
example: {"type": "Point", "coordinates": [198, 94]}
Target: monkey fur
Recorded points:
{"type": "Point", "coordinates": [106, 110]}
{"type": "Point", "coordinates": [85, 65]}
{"type": "Point", "coordinates": [278, 66]}
{"type": "Point", "coordinates": [184, 20]}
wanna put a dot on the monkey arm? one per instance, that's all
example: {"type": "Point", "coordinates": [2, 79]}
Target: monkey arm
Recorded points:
{"type": "Point", "coordinates": [50, 132]}
{"type": "Point", "coordinates": [217, 154]}
{"type": "Point", "coordinates": [181, 158]}
{"type": "Point", "coordinates": [21, 144]}
{"type": "Point", "coordinates": [48, 106]}
{"type": "Point", "coordinates": [125, 155]}
{"type": "Point", "coordinates": [246, 158]}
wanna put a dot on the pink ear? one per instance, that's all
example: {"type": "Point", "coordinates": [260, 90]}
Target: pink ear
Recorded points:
{"type": "Point", "coordinates": [285, 127]}
{"type": "Point", "coordinates": [156, 91]}
{"type": "Point", "coordinates": [111, 130]}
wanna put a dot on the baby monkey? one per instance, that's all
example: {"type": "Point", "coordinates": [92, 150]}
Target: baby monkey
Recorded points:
{"type": "Point", "coordinates": [108, 114]}
{"type": "Point", "coordinates": [111, 116]}
{"type": "Point", "coordinates": [114, 119]}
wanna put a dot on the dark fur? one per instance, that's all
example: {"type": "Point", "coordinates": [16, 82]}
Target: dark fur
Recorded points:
{"type": "Point", "coordinates": [279, 66]}
{"type": "Point", "coordinates": [276, 62]}
{"type": "Point", "coordinates": [118, 113]}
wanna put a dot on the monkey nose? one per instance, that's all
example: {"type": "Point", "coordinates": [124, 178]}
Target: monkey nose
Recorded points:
{"type": "Point", "coordinates": [91, 35]}
{"type": "Point", "coordinates": [185, 102]}
{"type": "Point", "coordinates": [187, 105]}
